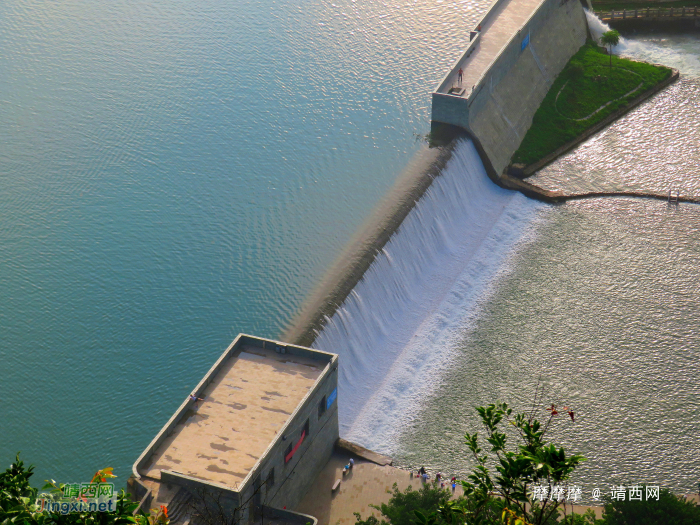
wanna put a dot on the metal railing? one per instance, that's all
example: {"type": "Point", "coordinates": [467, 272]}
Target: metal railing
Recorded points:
{"type": "Point", "coordinates": [651, 13]}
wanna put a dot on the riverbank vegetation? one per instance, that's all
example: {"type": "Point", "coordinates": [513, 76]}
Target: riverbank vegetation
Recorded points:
{"type": "Point", "coordinates": [515, 460]}
{"type": "Point", "coordinates": [18, 503]}
{"type": "Point", "coordinates": [412, 507]}
{"type": "Point", "coordinates": [507, 485]}
{"type": "Point", "coordinates": [592, 86]}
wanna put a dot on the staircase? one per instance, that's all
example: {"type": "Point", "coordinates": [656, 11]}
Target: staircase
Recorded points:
{"type": "Point", "coordinates": [179, 508]}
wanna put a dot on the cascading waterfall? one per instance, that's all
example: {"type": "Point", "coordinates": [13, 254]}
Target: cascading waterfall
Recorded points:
{"type": "Point", "coordinates": [598, 27]}
{"type": "Point", "coordinates": [391, 331]}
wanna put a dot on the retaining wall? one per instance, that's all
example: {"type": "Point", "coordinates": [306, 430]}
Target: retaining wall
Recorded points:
{"type": "Point", "coordinates": [499, 110]}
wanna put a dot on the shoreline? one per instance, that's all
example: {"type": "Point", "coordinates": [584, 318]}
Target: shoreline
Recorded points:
{"type": "Point", "coordinates": [359, 253]}
{"type": "Point", "coordinates": [530, 169]}
{"type": "Point", "coordinates": [557, 197]}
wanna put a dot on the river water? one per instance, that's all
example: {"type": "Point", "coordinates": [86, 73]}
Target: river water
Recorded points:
{"type": "Point", "coordinates": [656, 147]}
{"type": "Point", "coordinates": [171, 175]}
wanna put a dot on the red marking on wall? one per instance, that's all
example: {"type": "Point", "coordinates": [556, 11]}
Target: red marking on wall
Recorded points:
{"type": "Point", "coordinates": [296, 447]}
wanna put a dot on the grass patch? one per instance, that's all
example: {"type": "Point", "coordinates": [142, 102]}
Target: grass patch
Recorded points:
{"type": "Point", "coordinates": [594, 87]}
{"type": "Point", "coordinates": [585, 84]}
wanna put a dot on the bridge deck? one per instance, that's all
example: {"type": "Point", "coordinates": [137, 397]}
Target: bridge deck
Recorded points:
{"type": "Point", "coordinates": [506, 19]}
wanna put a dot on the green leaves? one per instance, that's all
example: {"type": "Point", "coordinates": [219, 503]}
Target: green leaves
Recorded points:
{"type": "Point", "coordinates": [17, 502]}
{"type": "Point", "coordinates": [529, 462]}
{"type": "Point", "coordinates": [498, 441]}
{"type": "Point", "coordinates": [610, 38]}
{"type": "Point", "coordinates": [472, 442]}
{"type": "Point", "coordinates": [402, 506]}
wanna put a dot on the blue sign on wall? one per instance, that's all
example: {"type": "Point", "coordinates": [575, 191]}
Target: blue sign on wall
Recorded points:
{"type": "Point", "coordinates": [331, 398]}
{"type": "Point", "coordinates": [526, 41]}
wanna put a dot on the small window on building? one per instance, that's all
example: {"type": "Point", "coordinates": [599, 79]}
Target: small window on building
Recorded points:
{"type": "Point", "coordinates": [322, 407]}
{"type": "Point", "coordinates": [305, 430]}
{"type": "Point", "coordinates": [270, 478]}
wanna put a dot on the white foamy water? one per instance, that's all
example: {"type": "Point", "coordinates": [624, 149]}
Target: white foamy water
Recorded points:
{"type": "Point", "coordinates": [393, 332]}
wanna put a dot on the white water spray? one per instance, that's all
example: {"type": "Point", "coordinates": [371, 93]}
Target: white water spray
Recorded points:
{"type": "Point", "coordinates": [682, 53]}
{"type": "Point", "coordinates": [393, 330]}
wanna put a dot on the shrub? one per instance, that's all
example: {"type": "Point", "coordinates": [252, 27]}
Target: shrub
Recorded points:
{"type": "Point", "coordinates": [402, 505]}
{"type": "Point", "coordinates": [669, 509]}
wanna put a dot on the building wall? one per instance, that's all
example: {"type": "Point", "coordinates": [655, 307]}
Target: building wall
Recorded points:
{"type": "Point", "coordinates": [292, 479]}
{"type": "Point", "coordinates": [500, 109]}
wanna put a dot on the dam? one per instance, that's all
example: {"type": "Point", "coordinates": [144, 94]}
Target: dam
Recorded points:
{"type": "Point", "coordinates": [120, 228]}
{"type": "Point", "coordinates": [385, 328]}
{"type": "Point", "coordinates": [516, 51]}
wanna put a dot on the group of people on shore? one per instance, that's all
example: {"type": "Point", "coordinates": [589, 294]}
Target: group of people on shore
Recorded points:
{"type": "Point", "coordinates": [439, 478]}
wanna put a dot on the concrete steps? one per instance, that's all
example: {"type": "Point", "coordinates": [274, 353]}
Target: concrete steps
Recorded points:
{"type": "Point", "coordinates": [179, 509]}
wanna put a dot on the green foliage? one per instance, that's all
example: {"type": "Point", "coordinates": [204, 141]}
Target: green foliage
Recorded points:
{"type": "Point", "coordinates": [610, 39]}
{"type": "Point", "coordinates": [14, 482]}
{"type": "Point", "coordinates": [506, 494]}
{"type": "Point", "coordinates": [668, 510]}
{"type": "Point", "coordinates": [581, 94]}
{"type": "Point", "coordinates": [587, 518]}
{"type": "Point", "coordinates": [18, 497]}
{"type": "Point", "coordinates": [493, 498]}
{"type": "Point", "coordinates": [402, 505]}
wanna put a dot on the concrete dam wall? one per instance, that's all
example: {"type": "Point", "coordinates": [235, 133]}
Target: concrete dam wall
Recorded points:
{"type": "Point", "coordinates": [507, 69]}
{"type": "Point", "coordinates": [503, 85]}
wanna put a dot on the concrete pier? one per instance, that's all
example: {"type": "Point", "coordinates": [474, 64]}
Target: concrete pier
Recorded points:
{"type": "Point", "coordinates": [508, 69]}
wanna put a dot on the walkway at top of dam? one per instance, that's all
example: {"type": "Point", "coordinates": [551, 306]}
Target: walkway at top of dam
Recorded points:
{"type": "Point", "coordinates": [500, 23]}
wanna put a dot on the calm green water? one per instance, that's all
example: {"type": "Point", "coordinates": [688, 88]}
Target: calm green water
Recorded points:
{"type": "Point", "coordinates": [174, 173]}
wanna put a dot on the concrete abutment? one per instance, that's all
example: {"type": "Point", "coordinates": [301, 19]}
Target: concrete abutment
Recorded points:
{"type": "Point", "coordinates": [498, 108]}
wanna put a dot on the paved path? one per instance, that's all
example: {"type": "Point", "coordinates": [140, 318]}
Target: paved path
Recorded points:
{"type": "Point", "coordinates": [505, 21]}
{"type": "Point", "coordinates": [366, 483]}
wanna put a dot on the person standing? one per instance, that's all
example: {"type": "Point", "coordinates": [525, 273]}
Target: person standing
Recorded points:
{"type": "Point", "coordinates": [460, 75]}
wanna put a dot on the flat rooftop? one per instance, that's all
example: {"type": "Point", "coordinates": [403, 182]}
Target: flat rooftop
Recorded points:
{"type": "Point", "coordinates": [244, 407]}
{"type": "Point", "coordinates": [505, 21]}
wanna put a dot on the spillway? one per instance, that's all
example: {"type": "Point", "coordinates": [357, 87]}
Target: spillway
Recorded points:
{"type": "Point", "coordinates": [393, 330]}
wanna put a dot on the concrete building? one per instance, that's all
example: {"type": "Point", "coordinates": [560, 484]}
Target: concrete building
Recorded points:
{"type": "Point", "coordinates": [249, 440]}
